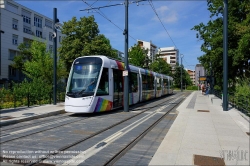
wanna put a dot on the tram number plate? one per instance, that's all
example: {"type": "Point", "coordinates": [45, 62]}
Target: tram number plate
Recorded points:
{"type": "Point", "coordinates": [125, 73]}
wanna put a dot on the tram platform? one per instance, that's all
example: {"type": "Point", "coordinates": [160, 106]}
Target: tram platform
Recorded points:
{"type": "Point", "coordinates": [21, 114]}
{"type": "Point", "coordinates": [204, 134]}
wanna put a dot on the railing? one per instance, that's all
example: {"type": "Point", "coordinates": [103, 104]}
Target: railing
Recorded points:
{"type": "Point", "coordinates": [29, 99]}
{"type": "Point", "coordinates": [240, 102]}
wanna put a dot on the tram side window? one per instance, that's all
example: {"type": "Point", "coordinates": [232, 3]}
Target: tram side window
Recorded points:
{"type": "Point", "coordinates": [118, 80]}
{"type": "Point", "coordinates": [147, 82]}
{"type": "Point", "coordinates": [103, 88]}
{"type": "Point", "coordinates": [171, 84]}
{"type": "Point", "coordinates": [144, 82]}
{"type": "Point", "coordinates": [151, 82]}
{"type": "Point", "coordinates": [133, 82]}
{"type": "Point", "coordinates": [158, 83]}
{"type": "Point", "coordinates": [165, 83]}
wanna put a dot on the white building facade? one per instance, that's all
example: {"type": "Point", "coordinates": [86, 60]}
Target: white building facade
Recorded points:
{"type": "Point", "coordinates": [170, 55]}
{"type": "Point", "coordinates": [152, 48]}
{"type": "Point", "coordinates": [20, 25]}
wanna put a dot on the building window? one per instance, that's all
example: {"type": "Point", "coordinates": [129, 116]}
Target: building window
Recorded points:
{"type": "Point", "coordinates": [26, 16]}
{"type": "Point", "coordinates": [14, 39]}
{"type": "Point", "coordinates": [60, 38]}
{"type": "Point", "coordinates": [27, 29]}
{"type": "Point", "coordinates": [26, 19]}
{"type": "Point", "coordinates": [38, 21]}
{"type": "Point", "coordinates": [27, 42]}
{"type": "Point", "coordinates": [12, 71]}
{"type": "Point", "coordinates": [14, 24]}
{"type": "Point", "coordinates": [11, 7]}
{"type": "Point", "coordinates": [12, 54]}
{"type": "Point", "coordinates": [50, 36]}
{"type": "Point", "coordinates": [38, 33]}
{"type": "Point", "coordinates": [48, 24]}
{"type": "Point", "coordinates": [50, 48]}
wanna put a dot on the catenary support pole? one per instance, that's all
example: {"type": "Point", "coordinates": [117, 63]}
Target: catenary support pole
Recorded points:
{"type": "Point", "coordinates": [225, 57]}
{"type": "Point", "coordinates": [1, 52]}
{"type": "Point", "coordinates": [181, 72]}
{"type": "Point", "coordinates": [55, 57]}
{"type": "Point", "coordinates": [125, 98]}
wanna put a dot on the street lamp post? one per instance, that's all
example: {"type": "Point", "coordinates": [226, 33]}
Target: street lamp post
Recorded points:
{"type": "Point", "coordinates": [181, 71]}
{"type": "Point", "coordinates": [199, 79]}
{"type": "Point", "coordinates": [225, 56]}
{"type": "Point", "coordinates": [1, 31]}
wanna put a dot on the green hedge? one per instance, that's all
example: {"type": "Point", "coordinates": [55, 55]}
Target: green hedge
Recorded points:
{"type": "Point", "coordinates": [29, 93]}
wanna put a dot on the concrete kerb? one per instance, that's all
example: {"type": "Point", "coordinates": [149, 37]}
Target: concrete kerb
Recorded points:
{"type": "Point", "coordinates": [9, 110]}
{"type": "Point", "coordinates": [23, 119]}
{"type": "Point", "coordinates": [216, 101]}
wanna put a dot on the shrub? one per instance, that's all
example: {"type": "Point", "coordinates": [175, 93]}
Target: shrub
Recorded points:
{"type": "Point", "coordinates": [192, 88]}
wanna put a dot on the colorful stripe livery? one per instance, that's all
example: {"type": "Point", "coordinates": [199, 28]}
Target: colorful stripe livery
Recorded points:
{"type": "Point", "coordinates": [120, 65]}
{"type": "Point", "coordinates": [149, 73]}
{"type": "Point", "coordinates": [103, 105]}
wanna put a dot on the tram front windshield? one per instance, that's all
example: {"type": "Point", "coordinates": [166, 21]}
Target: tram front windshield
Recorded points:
{"type": "Point", "coordinates": [84, 76]}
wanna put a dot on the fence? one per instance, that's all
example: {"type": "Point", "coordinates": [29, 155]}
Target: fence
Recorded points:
{"type": "Point", "coordinates": [240, 102]}
{"type": "Point", "coordinates": [13, 100]}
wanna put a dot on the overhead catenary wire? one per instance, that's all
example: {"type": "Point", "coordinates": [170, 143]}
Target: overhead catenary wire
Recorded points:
{"type": "Point", "coordinates": [152, 6]}
{"type": "Point", "coordinates": [104, 16]}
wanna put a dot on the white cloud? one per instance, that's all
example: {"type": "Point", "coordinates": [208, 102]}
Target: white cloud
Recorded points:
{"type": "Point", "coordinates": [166, 15]}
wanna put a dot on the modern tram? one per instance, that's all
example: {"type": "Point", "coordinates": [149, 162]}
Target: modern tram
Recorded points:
{"type": "Point", "coordinates": [95, 84]}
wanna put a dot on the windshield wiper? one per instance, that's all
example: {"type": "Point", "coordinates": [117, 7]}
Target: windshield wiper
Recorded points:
{"type": "Point", "coordinates": [71, 94]}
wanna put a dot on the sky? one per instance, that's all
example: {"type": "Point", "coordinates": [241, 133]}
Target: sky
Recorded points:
{"type": "Point", "coordinates": [171, 29]}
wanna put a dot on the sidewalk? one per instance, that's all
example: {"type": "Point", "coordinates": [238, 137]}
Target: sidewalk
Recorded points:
{"type": "Point", "coordinates": [194, 135]}
{"type": "Point", "coordinates": [16, 115]}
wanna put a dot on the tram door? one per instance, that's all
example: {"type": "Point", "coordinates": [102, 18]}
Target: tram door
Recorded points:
{"type": "Point", "coordinates": [118, 88]}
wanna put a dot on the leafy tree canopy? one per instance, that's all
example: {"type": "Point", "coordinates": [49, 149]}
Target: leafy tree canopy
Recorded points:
{"type": "Point", "coordinates": [36, 62]}
{"type": "Point", "coordinates": [186, 80]}
{"type": "Point", "coordinates": [238, 39]}
{"type": "Point", "coordinates": [83, 38]}
{"type": "Point", "coordinates": [138, 56]}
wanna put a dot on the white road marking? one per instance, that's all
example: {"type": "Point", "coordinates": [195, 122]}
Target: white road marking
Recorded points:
{"type": "Point", "coordinates": [35, 127]}
{"type": "Point", "coordinates": [102, 144]}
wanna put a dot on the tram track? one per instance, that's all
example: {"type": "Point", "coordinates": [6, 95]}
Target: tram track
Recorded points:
{"type": "Point", "coordinates": [35, 132]}
{"type": "Point", "coordinates": [3, 136]}
{"type": "Point", "coordinates": [28, 123]}
{"type": "Point", "coordinates": [38, 162]}
{"type": "Point", "coordinates": [93, 135]}
{"type": "Point", "coordinates": [121, 153]}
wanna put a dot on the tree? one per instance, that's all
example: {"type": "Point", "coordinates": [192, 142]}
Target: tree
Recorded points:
{"type": "Point", "coordinates": [186, 80]}
{"type": "Point", "coordinates": [83, 38]}
{"type": "Point", "coordinates": [238, 40]}
{"type": "Point", "coordinates": [23, 56]}
{"type": "Point", "coordinates": [138, 56]}
{"type": "Point", "coordinates": [100, 41]}
{"type": "Point", "coordinates": [36, 62]}
{"type": "Point", "coordinates": [160, 66]}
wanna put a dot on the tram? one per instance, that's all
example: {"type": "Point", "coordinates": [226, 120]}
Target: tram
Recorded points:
{"type": "Point", "coordinates": [95, 84]}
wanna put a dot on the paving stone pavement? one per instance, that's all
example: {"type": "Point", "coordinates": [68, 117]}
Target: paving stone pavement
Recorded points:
{"type": "Point", "coordinates": [216, 133]}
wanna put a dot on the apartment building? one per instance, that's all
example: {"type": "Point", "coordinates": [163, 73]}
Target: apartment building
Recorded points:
{"type": "Point", "coordinates": [191, 74]}
{"type": "Point", "coordinates": [200, 72]}
{"type": "Point", "coordinates": [119, 54]}
{"type": "Point", "coordinates": [19, 24]}
{"type": "Point", "coordinates": [152, 48]}
{"type": "Point", "coordinates": [170, 55]}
